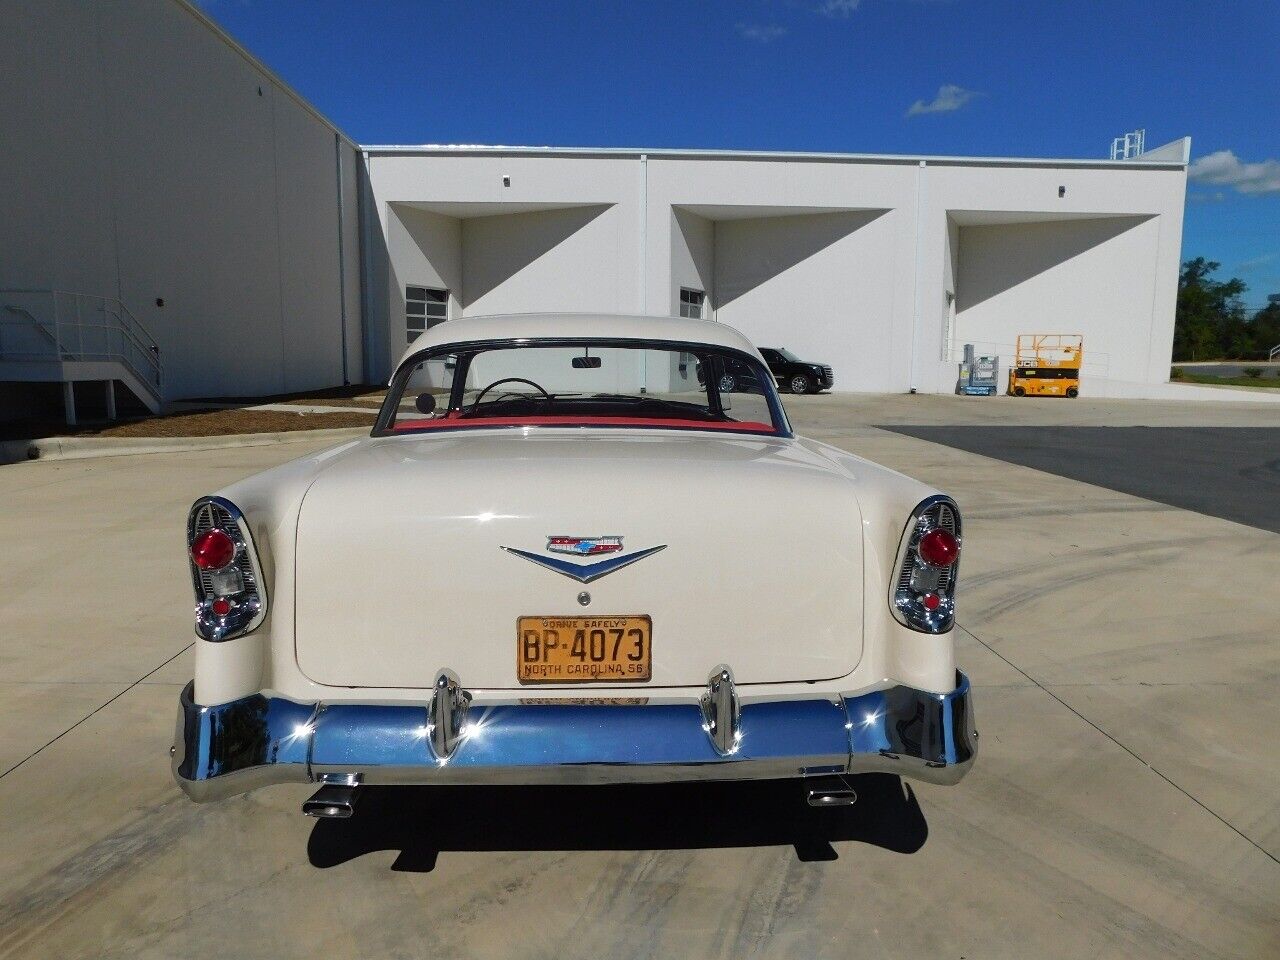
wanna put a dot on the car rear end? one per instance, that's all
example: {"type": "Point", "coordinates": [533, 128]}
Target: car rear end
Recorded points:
{"type": "Point", "coordinates": [572, 603]}
{"type": "Point", "coordinates": [431, 714]}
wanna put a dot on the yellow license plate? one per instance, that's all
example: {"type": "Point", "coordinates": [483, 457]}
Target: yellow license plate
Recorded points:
{"type": "Point", "coordinates": [584, 649]}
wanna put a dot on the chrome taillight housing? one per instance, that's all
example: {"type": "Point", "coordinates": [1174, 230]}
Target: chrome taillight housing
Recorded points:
{"type": "Point", "coordinates": [231, 598]}
{"type": "Point", "coordinates": [923, 595]}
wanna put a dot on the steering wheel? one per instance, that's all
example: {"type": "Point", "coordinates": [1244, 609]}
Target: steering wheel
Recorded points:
{"type": "Point", "coordinates": [481, 395]}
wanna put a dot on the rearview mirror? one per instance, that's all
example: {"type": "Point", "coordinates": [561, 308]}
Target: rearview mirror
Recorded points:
{"type": "Point", "coordinates": [426, 403]}
{"type": "Point", "coordinates": [586, 363]}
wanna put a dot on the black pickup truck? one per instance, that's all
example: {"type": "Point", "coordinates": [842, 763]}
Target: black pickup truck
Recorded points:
{"type": "Point", "coordinates": [794, 374]}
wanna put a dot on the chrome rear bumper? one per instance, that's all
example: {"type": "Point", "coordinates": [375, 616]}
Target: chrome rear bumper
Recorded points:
{"type": "Point", "coordinates": [223, 750]}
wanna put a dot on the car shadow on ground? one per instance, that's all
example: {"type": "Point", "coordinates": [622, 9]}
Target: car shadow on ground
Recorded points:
{"type": "Point", "coordinates": [422, 822]}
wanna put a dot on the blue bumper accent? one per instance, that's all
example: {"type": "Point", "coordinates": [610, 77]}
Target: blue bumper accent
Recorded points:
{"type": "Point", "coordinates": [230, 748]}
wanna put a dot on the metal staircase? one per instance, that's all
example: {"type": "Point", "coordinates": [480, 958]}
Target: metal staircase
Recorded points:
{"type": "Point", "coordinates": [53, 336]}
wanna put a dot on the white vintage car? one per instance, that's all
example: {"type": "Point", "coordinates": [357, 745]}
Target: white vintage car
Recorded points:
{"type": "Point", "coordinates": [574, 549]}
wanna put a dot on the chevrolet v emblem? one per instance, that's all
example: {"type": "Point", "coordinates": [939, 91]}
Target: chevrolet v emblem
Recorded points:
{"type": "Point", "coordinates": [585, 572]}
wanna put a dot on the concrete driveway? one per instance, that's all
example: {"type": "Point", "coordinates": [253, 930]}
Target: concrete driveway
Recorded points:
{"type": "Point", "coordinates": [1125, 803]}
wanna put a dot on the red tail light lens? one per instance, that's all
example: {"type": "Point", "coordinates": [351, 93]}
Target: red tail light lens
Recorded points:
{"type": "Point", "coordinates": [231, 595]}
{"type": "Point", "coordinates": [938, 548]}
{"type": "Point", "coordinates": [212, 550]}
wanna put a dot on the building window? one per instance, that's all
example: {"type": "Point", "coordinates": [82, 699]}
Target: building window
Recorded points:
{"type": "Point", "coordinates": [423, 309]}
{"type": "Point", "coordinates": [691, 303]}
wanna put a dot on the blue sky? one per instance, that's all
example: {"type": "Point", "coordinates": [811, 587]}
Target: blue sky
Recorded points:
{"type": "Point", "coordinates": [984, 77]}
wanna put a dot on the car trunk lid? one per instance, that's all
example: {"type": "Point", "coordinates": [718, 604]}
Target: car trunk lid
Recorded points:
{"type": "Point", "coordinates": [413, 555]}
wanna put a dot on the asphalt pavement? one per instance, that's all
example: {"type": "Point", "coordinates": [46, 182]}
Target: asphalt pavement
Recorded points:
{"type": "Point", "coordinates": [1227, 472]}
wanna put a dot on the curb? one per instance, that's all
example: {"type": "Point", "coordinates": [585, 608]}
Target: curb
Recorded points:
{"type": "Point", "coordinates": [83, 448]}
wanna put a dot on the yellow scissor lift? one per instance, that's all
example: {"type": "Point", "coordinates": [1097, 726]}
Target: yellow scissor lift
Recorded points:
{"type": "Point", "coordinates": [1047, 365]}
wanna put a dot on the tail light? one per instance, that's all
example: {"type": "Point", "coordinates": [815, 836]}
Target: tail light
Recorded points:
{"type": "Point", "coordinates": [213, 550]}
{"type": "Point", "coordinates": [923, 595]}
{"type": "Point", "coordinates": [938, 547]}
{"type": "Point", "coordinates": [231, 599]}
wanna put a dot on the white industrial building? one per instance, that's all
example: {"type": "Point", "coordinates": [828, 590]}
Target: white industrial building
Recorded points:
{"type": "Point", "coordinates": [881, 266]}
{"type": "Point", "coordinates": [169, 199]}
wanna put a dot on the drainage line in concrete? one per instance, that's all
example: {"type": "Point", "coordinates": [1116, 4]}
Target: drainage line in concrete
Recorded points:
{"type": "Point", "coordinates": [98, 709]}
{"type": "Point", "coordinates": [1209, 810]}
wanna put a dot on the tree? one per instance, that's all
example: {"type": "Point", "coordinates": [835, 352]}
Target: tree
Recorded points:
{"type": "Point", "coordinates": [1266, 329]}
{"type": "Point", "coordinates": [1211, 322]}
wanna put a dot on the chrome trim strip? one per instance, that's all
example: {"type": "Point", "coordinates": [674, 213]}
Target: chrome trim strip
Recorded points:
{"type": "Point", "coordinates": [234, 747]}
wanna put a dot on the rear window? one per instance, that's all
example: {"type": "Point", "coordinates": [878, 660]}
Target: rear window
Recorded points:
{"type": "Point", "coordinates": [583, 384]}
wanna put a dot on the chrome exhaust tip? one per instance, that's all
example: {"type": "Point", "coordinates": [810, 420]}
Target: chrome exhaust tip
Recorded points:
{"type": "Point", "coordinates": [331, 802]}
{"type": "Point", "coordinates": [830, 792]}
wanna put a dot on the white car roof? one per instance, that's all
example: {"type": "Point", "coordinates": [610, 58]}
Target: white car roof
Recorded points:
{"type": "Point", "coordinates": [516, 326]}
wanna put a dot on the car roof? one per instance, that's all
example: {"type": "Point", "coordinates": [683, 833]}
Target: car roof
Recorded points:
{"type": "Point", "coordinates": [517, 326]}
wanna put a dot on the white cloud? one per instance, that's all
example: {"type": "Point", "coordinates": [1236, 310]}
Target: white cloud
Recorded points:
{"type": "Point", "coordinates": [1225, 168]}
{"type": "Point", "coordinates": [838, 8]}
{"type": "Point", "coordinates": [1216, 197]}
{"type": "Point", "coordinates": [950, 97]}
{"type": "Point", "coordinates": [844, 8]}
{"type": "Point", "coordinates": [1256, 262]}
{"type": "Point", "coordinates": [760, 32]}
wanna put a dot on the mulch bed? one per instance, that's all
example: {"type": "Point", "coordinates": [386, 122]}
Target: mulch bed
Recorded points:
{"type": "Point", "coordinates": [211, 423]}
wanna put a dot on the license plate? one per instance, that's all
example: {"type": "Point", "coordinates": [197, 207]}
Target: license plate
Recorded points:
{"type": "Point", "coordinates": [584, 649]}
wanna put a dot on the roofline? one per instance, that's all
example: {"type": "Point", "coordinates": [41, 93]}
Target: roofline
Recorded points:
{"type": "Point", "coordinates": [432, 149]}
{"type": "Point", "coordinates": [212, 25]}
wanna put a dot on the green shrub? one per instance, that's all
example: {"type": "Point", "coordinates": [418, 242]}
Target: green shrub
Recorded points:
{"type": "Point", "coordinates": [1177, 373]}
{"type": "Point", "coordinates": [1254, 372]}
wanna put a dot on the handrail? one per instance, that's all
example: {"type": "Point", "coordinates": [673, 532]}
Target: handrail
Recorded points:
{"type": "Point", "coordinates": [35, 322]}
{"type": "Point", "coordinates": [122, 338]}
{"type": "Point", "coordinates": [1275, 352]}
{"type": "Point", "coordinates": [150, 349]}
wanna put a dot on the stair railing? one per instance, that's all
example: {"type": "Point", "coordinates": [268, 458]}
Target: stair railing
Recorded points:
{"type": "Point", "coordinates": [44, 325]}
